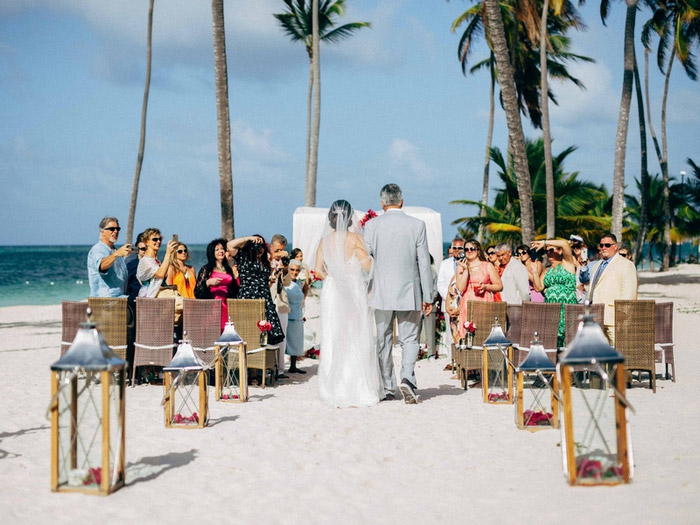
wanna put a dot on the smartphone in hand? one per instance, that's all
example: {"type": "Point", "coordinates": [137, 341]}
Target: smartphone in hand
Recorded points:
{"type": "Point", "coordinates": [175, 237]}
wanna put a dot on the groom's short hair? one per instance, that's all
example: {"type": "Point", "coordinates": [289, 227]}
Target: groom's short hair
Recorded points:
{"type": "Point", "coordinates": [391, 195]}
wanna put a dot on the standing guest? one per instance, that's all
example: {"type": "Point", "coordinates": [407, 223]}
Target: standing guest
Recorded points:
{"type": "Point", "coordinates": [558, 282]}
{"type": "Point", "coordinates": [255, 274]}
{"type": "Point", "coordinates": [476, 280]}
{"type": "Point", "coordinates": [181, 274]}
{"type": "Point", "coordinates": [215, 279]}
{"type": "Point", "coordinates": [614, 277]}
{"type": "Point", "coordinates": [133, 285]}
{"type": "Point", "coordinates": [107, 273]}
{"type": "Point", "coordinates": [151, 272]}
{"type": "Point", "coordinates": [533, 267]}
{"type": "Point", "coordinates": [492, 258]}
{"type": "Point", "coordinates": [624, 251]}
{"type": "Point", "coordinates": [295, 324]}
{"type": "Point", "coordinates": [304, 276]}
{"type": "Point", "coordinates": [279, 263]}
{"type": "Point", "coordinates": [583, 275]}
{"type": "Point", "coordinates": [516, 285]}
{"type": "Point", "coordinates": [446, 272]}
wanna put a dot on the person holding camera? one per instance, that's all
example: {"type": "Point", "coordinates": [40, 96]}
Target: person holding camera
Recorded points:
{"type": "Point", "coordinates": [583, 276]}
{"type": "Point", "coordinates": [534, 267]}
{"type": "Point", "coordinates": [279, 262]}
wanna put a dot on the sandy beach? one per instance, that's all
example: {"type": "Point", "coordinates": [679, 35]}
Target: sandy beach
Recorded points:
{"type": "Point", "coordinates": [284, 457]}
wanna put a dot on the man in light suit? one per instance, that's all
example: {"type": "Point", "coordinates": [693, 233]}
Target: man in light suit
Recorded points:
{"type": "Point", "coordinates": [516, 285]}
{"type": "Point", "coordinates": [612, 277]}
{"type": "Point", "coordinates": [402, 286]}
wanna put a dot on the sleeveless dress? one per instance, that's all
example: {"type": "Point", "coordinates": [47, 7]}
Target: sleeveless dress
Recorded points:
{"type": "Point", "coordinates": [185, 283]}
{"type": "Point", "coordinates": [477, 276]}
{"type": "Point", "coordinates": [560, 287]}
{"type": "Point", "coordinates": [348, 374]}
{"type": "Point", "coordinates": [255, 284]}
{"type": "Point", "coordinates": [220, 291]}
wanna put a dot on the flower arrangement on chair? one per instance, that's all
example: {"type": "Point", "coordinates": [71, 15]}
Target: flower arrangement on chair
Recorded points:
{"type": "Point", "coordinates": [264, 327]}
{"type": "Point", "coordinates": [470, 327]}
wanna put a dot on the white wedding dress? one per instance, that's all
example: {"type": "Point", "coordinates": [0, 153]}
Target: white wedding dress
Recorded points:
{"type": "Point", "coordinates": [348, 374]}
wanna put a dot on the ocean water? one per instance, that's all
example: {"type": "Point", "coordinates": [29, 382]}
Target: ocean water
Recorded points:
{"type": "Point", "coordinates": [43, 275]}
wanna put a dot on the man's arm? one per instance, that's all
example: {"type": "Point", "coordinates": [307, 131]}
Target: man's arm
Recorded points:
{"type": "Point", "coordinates": [426, 276]}
{"type": "Point", "coordinates": [522, 283]}
{"type": "Point", "coordinates": [628, 281]}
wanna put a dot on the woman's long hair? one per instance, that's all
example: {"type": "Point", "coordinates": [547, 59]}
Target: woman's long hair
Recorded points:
{"type": "Point", "coordinates": [254, 252]}
{"type": "Point", "coordinates": [211, 258]}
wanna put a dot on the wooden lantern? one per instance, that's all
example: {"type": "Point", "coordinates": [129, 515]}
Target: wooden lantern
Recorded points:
{"type": "Point", "coordinates": [537, 390]}
{"type": "Point", "coordinates": [87, 412]}
{"type": "Point", "coordinates": [497, 367]}
{"type": "Point", "coordinates": [230, 368]}
{"type": "Point", "coordinates": [185, 382]}
{"type": "Point", "coordinates": [596, 449]}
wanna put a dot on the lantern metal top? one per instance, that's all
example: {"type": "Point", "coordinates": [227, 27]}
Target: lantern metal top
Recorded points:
{"type": "Point", "coordinates": [537, 358]}
{"type": "Point", "coordinates": [590, 344]}
{"type": "Point", "coordinates": [89, 351]}
{"type": "Point", "coordinates": [229, 336]}
{"type": "Point", "coordinates": [497, 337]}
{"type": "Point", "coordinates": [185, 358]}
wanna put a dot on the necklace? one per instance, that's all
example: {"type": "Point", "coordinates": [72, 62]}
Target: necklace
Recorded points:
{"type": "Point", "coordinates": [220, 268]}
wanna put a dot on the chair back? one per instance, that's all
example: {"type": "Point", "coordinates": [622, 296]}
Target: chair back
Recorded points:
{"type": "Point", "coordinates": [110, 314]}
{"type": "Point", "coordinates": [515, 312]}
{"type": "Point", "coordinates": [245, 314]}
{"type": "Point", "coordinates": [542, 318]}
{"type": "Point", "coordinates": [202, 323]}
{"type": "Point", "coordinates": [72, 314]}
{"type": "Point", "coordinates": [634, 335]}
{"type": "Point", "coordinates": [483, 314]}
{"type": "Point", "coordinates": [663, 323]}
{"type": "Point", "coordinates": [154, 332]}
{"type": "Point", "coordinates": [572, 312]}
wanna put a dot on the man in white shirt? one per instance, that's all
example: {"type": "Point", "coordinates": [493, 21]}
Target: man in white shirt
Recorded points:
{"type": "Point", "coordinates": [445, 274]}
{"type": "Point", "coordinates": [514, 276]}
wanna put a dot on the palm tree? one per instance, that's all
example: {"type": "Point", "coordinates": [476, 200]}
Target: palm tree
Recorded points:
{"type": "Point", "coordinates": [677, 23]}
{"type": "Point", "coordinates": [644, 171]}
{"type": "Point", "coordinates": [223, 121]}
{"type": "Point", "coordinates": [298, 23]}
{"type": "Point", "coordinates": [142, 139]}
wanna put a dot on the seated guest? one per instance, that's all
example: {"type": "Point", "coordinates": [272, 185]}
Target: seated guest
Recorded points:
{"type": "Point", "coordinates": [295, 323]}
{"type": "Point", "coordinates": [216, 279]}
{"type": "Point", "coordinates": [181, 274]}
{"type": "Point", "coordinates": [151, 272]}
{"type": "Point", "coordinates": [107, 273]}
{"type": "Point", "coordinates": [133, 285]}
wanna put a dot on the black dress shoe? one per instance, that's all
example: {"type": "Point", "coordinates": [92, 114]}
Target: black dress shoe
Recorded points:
{"type": "Point", "coordinates": [408, 391]}
{"type": "Point", "coordinates": [282, 376]}
{"type": "Point", "coordinates": [389, 396]}
{"type": "Point", "coordinates": [296, 371]}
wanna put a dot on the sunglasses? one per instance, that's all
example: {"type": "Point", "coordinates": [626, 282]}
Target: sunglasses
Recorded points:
{"type": "Point", "coordinates": [606, 244]}
{"type": "Point", "coordinates": [551, 250]}
{"type": "Point", "coordinates": [470, 249]}
{"type": "Point", "coordinates": [142, 248]}
{"type": "Point", "coordinates": [157, 239]}
{"type": "Point", "coordinates": [624, 254]}
{"type": "Point", "coordinates": [521, 252]}
{"type": "Point", "coordinates": [182, 251]}
{"type": "Point", "coordinates": [113, 229]}
{"type": "Point", "coordinates": [456, 247]}
{"type": "Point", "coordinates": [490, 253]}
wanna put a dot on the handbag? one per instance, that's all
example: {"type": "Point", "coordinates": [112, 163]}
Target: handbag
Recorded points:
{"type": "Point", "coordinates": [171, 292]}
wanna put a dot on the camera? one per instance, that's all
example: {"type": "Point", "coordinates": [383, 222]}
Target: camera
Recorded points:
{"type": "Point", "coordinates": [284, 261]}
{"type": "Point", "coordinates": [576, 239]}
{"type": "Point", "coordinates": [460, 255]}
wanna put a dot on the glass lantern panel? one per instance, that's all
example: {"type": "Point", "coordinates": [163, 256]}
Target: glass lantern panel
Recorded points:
{"type": "Point", "coordinates": [185, 398]}
{"type": "Point", "coordinates": [498, 388]}
{"type": "Point", "coordinates": [593, 406]}
{"type": "Point", "coordinates": [537, 400]}
{"type": "Point", "coordinates": [230, 375]}
{"type": "Point", "coordinates": [81, 423]}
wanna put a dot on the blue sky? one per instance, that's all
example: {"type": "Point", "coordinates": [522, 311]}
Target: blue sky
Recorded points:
{"type": "Point", "coordinates": [395, 108]}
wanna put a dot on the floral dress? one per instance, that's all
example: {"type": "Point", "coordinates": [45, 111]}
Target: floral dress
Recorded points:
{"type": "Point", "coordinates": [560, 287]}
{"type": "Point", "coordinates": [255, 280]}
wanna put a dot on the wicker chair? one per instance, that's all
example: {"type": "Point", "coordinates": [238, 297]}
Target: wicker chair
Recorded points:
{"type": "Point", "coordinates": [202, 324]}
{"type": "Point", "coordinates": [663, 337]}
{"type": "Point", "coordinates": [72, 314]}
{"type": "Point", "coordinates": [634, 336]}
{"type": "Point", "coordinates": [571, 318]}
{"type": "Point", "coordinates": [245, 314]}
{"type": "Point", "coordinates": [154, 333]}
{"type": "Point", "coordinates": [512, 331]}
{"type": "Point", "coordinates": [482, 314]}
{"type": "Point", "coordinates": [542, 318]}
{"type": "Point", "coordinates": [111, 316]}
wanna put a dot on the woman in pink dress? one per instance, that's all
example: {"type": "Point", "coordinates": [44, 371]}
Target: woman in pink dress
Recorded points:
{"type": "Point", "coordinates": [215, 279]}
{"type": "Point", "coordinates": [476, 279]}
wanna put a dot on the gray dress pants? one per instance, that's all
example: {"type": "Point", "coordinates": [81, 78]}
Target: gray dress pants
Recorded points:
{"type": "Point", "coordinates": [407, 337]}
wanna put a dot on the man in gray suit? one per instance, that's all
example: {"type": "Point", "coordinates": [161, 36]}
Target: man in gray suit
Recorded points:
{"type": "Point", "coordinates": [402, 286]}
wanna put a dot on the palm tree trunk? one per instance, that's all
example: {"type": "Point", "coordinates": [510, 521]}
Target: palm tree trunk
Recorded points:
{"type": "Point", "coordinates": [313, 157]}
{"type": "Point", "coordinates": [516, 137]}
{"type": "Point", "coordinates": [644, 177]}
{"type": "Point", "coordinates": [618, 205]}
{"type": "Point", "coordinates": [142, 139]}
{"type": "Point", "coordinates": [489, 139]}
{"type": "Point", "coordinates": [309, 111]}
{"type": "Point", "coordinates": [223, 121]}
{"type": "Point", "coordinates": [668, 217]}
{"type": "Point", "coordinates": [657, 148]}
{"type": "Point", "coordinates": [547, 137]}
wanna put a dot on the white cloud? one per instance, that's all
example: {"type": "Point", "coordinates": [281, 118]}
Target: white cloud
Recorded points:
{"type": "Point", "coordinates": [405, 159]}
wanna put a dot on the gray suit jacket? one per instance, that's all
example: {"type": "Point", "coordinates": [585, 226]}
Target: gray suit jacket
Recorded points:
{"type": "Point", "coordinates": [402, 279]}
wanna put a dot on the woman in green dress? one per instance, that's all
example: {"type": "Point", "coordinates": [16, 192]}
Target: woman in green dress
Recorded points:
{"type": "Point", "coordinates": [558, 282]}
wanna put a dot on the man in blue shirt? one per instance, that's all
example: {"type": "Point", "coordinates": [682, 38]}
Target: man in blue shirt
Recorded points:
{"type": "Point", "coordinates": [107, 271]}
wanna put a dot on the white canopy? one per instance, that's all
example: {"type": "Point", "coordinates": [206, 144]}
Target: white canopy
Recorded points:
{"type": "Point", "coordinates": [308, 224]}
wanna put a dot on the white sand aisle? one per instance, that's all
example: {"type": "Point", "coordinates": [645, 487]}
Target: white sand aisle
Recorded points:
{"type": "Point", "coordinates": [286, 458]}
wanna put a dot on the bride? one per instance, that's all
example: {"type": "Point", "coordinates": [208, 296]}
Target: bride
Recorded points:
{"type": "Point", "coordinates": [348, 374]}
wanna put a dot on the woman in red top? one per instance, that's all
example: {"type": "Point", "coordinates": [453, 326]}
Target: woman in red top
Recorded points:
{"type": "Point", "coordinates": [215, 279]}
